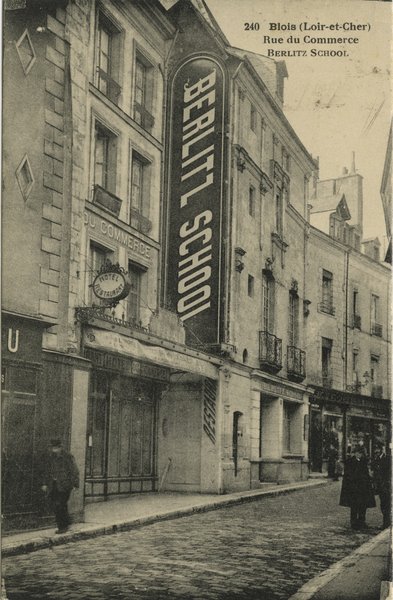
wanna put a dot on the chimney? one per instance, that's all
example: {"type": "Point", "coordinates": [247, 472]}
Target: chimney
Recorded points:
{"type": "Point", "coordinates": [353, 168]}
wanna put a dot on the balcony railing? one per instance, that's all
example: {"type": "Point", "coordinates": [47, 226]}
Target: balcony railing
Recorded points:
{"type": "Point", "coordinates": [327, 381]}
{"type": "Point", "coordinates": [326, 307]}
{"type": "Point", "coordinates": [376, 329]}
{"type": "Point", "coordinates": [296, 363]}
{"type": "Point", "coordinates": [377, 391]}
{"type": "Point", "coordinates": [356, 321]}
{"type": "Point", "coordinates": [270, 352]}
{"type": "Point", "coordinates": [143, 117]}
{"type": "Point", "coordinates": [106, 200]}
{"type": "Point", "coordinates": [140, 222]}
{"type": "Point", "coordinates": [108, 86]}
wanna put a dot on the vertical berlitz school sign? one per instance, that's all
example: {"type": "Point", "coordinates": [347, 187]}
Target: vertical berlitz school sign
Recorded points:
{"type": "Point", "coordinates": [195, 196]}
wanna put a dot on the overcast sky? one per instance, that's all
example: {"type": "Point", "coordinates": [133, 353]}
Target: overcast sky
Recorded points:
{"type": "Point", "coordinates": [335, 105]}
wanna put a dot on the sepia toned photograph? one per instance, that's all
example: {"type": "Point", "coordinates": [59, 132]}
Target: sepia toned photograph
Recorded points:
{"type": "Point", "coordinates": [196, 260]}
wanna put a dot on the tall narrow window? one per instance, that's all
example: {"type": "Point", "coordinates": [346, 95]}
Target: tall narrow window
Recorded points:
{"type": "Point", "coordinates": [105, 152]}
{"type": "Point", "coordinates": [327, 345]}
{"type": "Point", "coordinates": [267, 303]}
{"type": "Point", "coordinates": [293, 328]}
{"type": "Point", "coordinates": [251, 201]}
{"type": "Point", "coordinates": [327, 292]}
{"type": "Point", "coordinates": [108, 58]}
{"type": "Point", "coordinates": [279, 212]}
{"type": "Point", "coordinates": [253, 118]}
{"type": "Point", "coordinates": [137, 184]}
{"type": "Point", "coordinates": [134, 297]}
{"type": "Point", "coordinates": [97, 258]}
{"type": "Point", "coordinates": [376, 327]}
{"type": "Point", "coordinates": [143, 92]}
{"type": "Point", "coordinates": [250, 286]}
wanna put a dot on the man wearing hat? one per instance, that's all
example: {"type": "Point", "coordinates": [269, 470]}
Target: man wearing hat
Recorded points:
{"type": "Point", "coordinates": [382, 475]}
{"type": "Point", "coordinates": [60, 477]}
{"type": "Point", "coordinates": [357, 491]}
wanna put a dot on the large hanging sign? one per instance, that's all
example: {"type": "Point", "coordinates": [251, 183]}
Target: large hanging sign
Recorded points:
{"type": "Point", "coordinates": [195, 196]}
{"type": "Point", "coordinates": [111, 284]}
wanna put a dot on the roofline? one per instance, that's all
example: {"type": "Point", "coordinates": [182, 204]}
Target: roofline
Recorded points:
{"type": "Point", "coordinates": [277, 109]}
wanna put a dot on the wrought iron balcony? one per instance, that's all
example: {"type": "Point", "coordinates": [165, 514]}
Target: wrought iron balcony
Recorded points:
{"type": "Point", "coordinates": [326, 307]}
{"type": "Point", "coordinates": [376, 329]}
{"type": "Point", "coordinates": [140, 222]}
{"type": "Point", "coordinates": [106, 200]}
{"type": "Point", "coordinates": [296, 363]}
{"type": "Point", "coordinates": [377, 391]}
{"type": "Point", "coordinates": [356, 321]}
{"type": "Point", "coordinates": [143, 117]}
{"type": "Point", "coordinates": [270, 352]}
{"type": "Point", "coordinates": [108, 86]}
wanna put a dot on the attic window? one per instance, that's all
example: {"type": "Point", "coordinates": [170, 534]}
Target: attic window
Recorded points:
{"type": "Point", "coordinates": [24, 176]}
{"type": "Point", "coordinates": [25, 51]}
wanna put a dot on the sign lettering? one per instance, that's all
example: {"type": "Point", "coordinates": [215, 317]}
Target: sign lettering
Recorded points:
{"type": "Point", "coordinates": [195, 196]}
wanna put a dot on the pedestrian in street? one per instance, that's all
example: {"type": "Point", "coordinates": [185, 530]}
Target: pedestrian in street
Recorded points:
{"type": "Point", "coordinates": [357, 491]}
{"type": "Point", "coordinates": [59, 478]}
{"type": "Point", "coordinates": [382, 479]}
{"type": "Point", "coordinates": [333, 462]}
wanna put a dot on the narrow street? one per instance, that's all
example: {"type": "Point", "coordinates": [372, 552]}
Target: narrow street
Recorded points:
{"type": "Point", "coordinates": [263, 550]}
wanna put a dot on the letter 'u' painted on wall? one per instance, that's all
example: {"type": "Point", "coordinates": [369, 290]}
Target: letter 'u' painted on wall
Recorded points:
{"type": "Point", "coordinates": [13, 340]}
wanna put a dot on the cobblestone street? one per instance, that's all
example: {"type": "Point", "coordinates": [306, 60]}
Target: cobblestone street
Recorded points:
{"type": "Point", "coordinates": [262, 550]}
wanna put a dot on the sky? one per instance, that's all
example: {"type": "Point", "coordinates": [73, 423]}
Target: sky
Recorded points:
{"type": "Point", "coordinates": [336, 105]}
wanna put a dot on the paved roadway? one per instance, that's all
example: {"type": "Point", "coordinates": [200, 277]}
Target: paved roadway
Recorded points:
{"type": "Point", "coordinates": [262, 550]}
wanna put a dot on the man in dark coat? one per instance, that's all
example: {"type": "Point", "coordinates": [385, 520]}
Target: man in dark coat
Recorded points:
{"type": "Point", "coordinates": [60, 477]}
{"type": "Point", "coordinates": [356, 490]}
{"type": "Point", "coordinates": [382, 477]}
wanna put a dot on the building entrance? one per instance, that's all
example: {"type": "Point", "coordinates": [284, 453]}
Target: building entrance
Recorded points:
{"type": "Point", "coordinates": [121, 432]}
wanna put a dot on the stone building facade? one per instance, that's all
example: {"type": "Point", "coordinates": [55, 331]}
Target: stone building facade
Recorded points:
{"type": "Point", "coordinates": [156, 154]}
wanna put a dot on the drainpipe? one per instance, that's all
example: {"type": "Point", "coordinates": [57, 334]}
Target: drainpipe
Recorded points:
{"type": "Point", "coordinates": [163, 213]}
{"type": "Point", "coordinates": [346, 291]}
{"type": "Point", "coordinates": [229, 237]}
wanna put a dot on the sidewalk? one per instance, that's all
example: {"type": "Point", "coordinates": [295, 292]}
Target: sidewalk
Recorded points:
{"type": "Point", "coordinates": [363, 575]}
{"type": "Point", "coordinates": [122, 514]}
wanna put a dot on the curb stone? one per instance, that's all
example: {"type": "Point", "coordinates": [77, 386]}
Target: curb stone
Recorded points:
{"type": "Point", "coordinates": [96, 531]}
{"type": "Point", "coordinates": [311, 587]}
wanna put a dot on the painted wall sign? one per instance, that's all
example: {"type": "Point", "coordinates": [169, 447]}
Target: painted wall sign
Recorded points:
{"type": "Point", "coordinates": [115, 234]}
{"type": "Point", "coordinates": [195, 195]}
{"type": "Point", "coordinates": [111, 283]}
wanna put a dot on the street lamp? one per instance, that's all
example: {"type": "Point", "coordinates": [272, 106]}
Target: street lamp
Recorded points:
{"type": "Point", "coordinates": [357, 386]}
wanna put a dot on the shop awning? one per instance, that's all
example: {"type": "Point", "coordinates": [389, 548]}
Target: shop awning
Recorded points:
{"type": "Point", "coordinates": [109, 341]}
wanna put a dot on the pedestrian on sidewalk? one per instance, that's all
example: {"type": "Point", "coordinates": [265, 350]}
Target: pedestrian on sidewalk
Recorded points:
{"type": "Point", "coordinates": [357, 491]}
{"type": "Point", "coordinates": [382, 479]}
{"type": "Point", "coordinates": [333, 462]}
{"type": "Point", "coordinates": [60, 476]}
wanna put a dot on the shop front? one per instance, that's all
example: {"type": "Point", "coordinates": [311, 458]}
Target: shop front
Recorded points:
{"type": "Point", "coordinates": [121, 424]}
{"type": "Point", "coordinates": [341, 420]}
{"type": "Point", "coordinates": [280, 452]}
{"type": "Point", "coordinates": [21, 384]}
{"type": "Point", "coordinates": [151, 420]}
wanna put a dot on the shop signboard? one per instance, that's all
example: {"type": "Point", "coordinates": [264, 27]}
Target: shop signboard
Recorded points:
{"type": "Point", "coordinates": [111, 284]}
{"type": "Point", "coordinates": [195, 196]}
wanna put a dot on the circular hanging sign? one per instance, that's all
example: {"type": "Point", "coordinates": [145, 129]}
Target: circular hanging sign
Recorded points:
{"type": "Point", "coordinates": [111, 286]}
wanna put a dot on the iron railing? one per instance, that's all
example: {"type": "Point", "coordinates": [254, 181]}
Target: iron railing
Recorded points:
{"type": "Point", "coordinates": [376, 329]}
{"type": "Point", "coordinates": [296, 363]}
{"type": "Point", "coordinates": [270, 352]}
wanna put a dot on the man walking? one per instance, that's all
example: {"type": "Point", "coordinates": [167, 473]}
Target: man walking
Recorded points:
{"type": "Point", "coordinates": [60, 477]}
{"type": "Point", "coordinates": [382, 477]}
{"type": "Point", "coordinates": [356, 491]}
